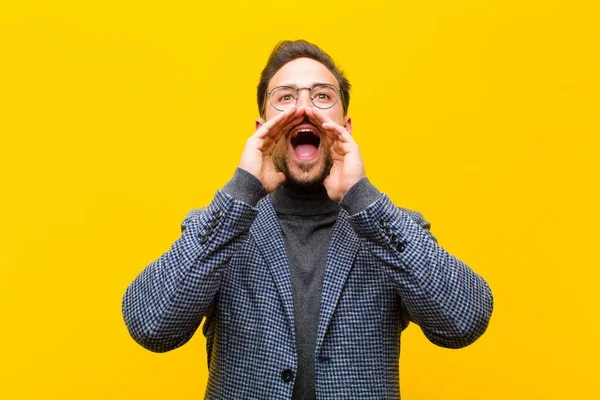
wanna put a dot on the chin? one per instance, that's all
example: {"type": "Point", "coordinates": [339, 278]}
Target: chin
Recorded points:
{"type": "Point", "coordinates": [308, 175]}
{"type": "Point", "coordinates": [304, 174]}
{"type": "Point", "coordinates": [304, 179]}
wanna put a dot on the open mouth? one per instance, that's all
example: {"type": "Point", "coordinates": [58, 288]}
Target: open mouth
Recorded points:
{"type": "Point", "coordinates": [305, 142]}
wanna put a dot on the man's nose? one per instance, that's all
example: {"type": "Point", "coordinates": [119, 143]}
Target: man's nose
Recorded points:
{"type": "Point", "coordinates": [304, 97]}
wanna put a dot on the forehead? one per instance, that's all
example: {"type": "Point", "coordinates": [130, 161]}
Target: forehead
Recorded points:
{"type": "Point", "coordinates": [302, 72]}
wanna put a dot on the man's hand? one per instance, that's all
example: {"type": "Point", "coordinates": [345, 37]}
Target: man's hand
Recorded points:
{"type": "Point", "coordinates": [348, 167]}
{"type": "Point", "coordinates": [256, 158]}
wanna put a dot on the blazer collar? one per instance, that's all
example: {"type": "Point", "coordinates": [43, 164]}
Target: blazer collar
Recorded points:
{"type": "Point", "coordinates": [269, 239]}
{"type": "Point", "coordinates": [340, 258]}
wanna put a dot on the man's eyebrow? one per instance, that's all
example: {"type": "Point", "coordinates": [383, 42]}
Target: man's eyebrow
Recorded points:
{"type": "Point", "coordinates": [293, 85]}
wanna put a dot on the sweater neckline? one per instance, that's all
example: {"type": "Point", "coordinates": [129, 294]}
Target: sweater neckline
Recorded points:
{"type": "Point", "coordinates": [290, 200]}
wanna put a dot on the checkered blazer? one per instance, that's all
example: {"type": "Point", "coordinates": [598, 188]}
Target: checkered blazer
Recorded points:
{"type": "Point", "coordinates": [384, 269]}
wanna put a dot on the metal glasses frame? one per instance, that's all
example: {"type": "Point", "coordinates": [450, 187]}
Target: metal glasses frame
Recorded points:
{"type": "Point", "coordinates": [310, 89]}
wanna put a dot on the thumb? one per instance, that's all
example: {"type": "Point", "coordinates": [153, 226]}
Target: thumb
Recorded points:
{"type": "Point", "coordinates": [281, 178]}
{"type": "Point", "coordinates": [274, 181]}
{"type": "Point", "coordinates": [330, 188]}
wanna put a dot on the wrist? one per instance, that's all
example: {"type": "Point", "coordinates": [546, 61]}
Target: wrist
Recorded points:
{"type": "Point", "coordinates": [360, 196]}
{"type": "Point", "coordinates": [245, 187]}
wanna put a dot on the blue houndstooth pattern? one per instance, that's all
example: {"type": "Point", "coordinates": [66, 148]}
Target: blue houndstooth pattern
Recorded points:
{"type": "Point", "coordinates": [384, 269]}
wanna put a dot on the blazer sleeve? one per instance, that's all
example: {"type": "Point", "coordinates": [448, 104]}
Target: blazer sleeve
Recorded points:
{"type": "Point", "coordinates": [166, 302]}
{"type": "Point", "coordinates": [446, 298]}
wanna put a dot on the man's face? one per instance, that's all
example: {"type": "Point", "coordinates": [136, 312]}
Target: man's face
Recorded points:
{"type": "Point", "coordinates": [302, 153]}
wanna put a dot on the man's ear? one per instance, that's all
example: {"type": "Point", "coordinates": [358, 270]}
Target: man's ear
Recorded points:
{"type": "Point", "coordinates": [348, 124]}
{"type": "Point", "coordinates": [259, 123]}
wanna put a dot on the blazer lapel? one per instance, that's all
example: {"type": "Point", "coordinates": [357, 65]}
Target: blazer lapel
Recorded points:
{"type": "Point", "coordinates": [269, 238]}
{"type": "Point", "coordinates": [342, 250]}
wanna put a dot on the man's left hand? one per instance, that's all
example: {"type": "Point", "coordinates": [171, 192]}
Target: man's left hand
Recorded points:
{"type": "Point", "coordinates": [348, 167]}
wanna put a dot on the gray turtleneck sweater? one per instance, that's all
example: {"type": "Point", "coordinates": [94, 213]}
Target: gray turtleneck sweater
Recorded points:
{"type": "Point", "coordinates": [307, 219]}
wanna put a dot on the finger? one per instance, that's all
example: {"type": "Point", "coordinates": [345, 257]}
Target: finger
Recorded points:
{"type": "Point", "coordinates": [312, 114]}
{"type": "Point", "coordinates": [331, 128]}
{"type": "Point", "coordinates": [340, 149]}
{"type": "Point", "coordinates": [285, 127]}
{"type": "Point", "coordinates": [317, 115]}
{"type": "Point", "coordinates": [333, 131]}
{"type": "Point", "coordinates": [331, 135]}
{"type": "Point", "coordinates": [341, 132]}
{"type": "Point", "coordinates": [294, 120]}
{"type": "Point", "coordinates": [269, 127]}
{"type": "Point", "coordinates": [281, 177]}
{"type": "Point", "coordinates": [279, 131]}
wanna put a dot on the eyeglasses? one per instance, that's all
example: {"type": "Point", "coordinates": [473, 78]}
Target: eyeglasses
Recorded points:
{"type": "Point", "coordinates": [322, 96]}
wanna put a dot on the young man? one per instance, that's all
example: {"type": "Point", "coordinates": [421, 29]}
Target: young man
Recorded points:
{"type": "Point", "coordinates": [304, 272]}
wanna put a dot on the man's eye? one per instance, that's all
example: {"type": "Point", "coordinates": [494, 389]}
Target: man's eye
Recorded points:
{"type": "Point", "coordinates": [286, 97]}
{"type": "Point", "coordinates": [323, 95]}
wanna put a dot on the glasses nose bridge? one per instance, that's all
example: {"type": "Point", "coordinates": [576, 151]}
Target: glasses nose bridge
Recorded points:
{"type": "Point", "coordinates": [304, 100]}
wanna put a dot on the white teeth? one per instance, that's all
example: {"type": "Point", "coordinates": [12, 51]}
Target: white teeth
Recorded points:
{"type": "Point", "coordinates": [304, 130]}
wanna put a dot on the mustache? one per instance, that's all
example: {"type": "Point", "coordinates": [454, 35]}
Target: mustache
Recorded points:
{"type": "Point", "coordinates": [305, 121]}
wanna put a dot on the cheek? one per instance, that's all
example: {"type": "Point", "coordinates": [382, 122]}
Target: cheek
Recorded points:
{"type": "Point", "coordinates": [336, 115]}
{"type": "Point", "coordinates": [281, 146]}
{"type": "Point", "coordinates": [270, 112]}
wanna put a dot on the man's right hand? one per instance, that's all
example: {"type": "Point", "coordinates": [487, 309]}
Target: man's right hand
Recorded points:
{"type": "Point", "coordinates": [257, 156]}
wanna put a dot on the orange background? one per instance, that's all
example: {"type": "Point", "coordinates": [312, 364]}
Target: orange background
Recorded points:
{"type": "Point", "coordinates": [117, 117]}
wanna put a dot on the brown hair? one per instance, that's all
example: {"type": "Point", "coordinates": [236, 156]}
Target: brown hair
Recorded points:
{"type": "Point", "coordinates": [287, 51]}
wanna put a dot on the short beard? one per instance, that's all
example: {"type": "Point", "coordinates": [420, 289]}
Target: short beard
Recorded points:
{"type": "Point", "coordinates": [316, 184]}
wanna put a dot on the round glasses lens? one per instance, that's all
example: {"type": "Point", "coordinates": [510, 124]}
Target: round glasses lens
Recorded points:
{"type": "Point", "coordinates": [283, 98]}
{"type": "Point", "coordinates": [324, 96]}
